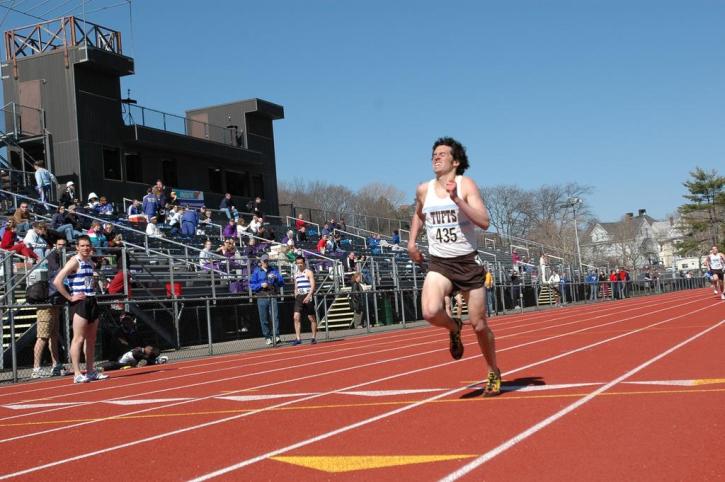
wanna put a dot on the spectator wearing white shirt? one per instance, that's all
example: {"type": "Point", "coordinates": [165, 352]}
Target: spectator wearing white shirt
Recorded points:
{"type": "Point", "coordinates": [34, 239]}
{"type": "Point", "coordinates": [254, 224]}
{"type": "Point", "coordinates": [152, 228]}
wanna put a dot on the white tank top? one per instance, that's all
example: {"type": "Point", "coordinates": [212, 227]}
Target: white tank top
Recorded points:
{"type": "Point", "coordinates": [450, 232]}
{"type": "Point", "coordinates": [715, 261]}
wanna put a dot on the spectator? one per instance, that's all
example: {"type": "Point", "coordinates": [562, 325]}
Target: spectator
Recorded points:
{"type": "Point", "coordinates": [173, 219]}
{"type": "Point", "coordinates": [301, 235]}
{"type": "Point", "coordinates": [60, 225]}
{"type": "Point", "coordinates": [266, 233]}
{"type": "Point", "coordinates": [255, 207]}
{"type": "Point", "coordinates": [254, 224]}
{"type": "Point", "coordinates": [299, 222]}
{"type": "Point", "coordinates": [47, 326]}
{"type": "Point", "coordinates": [228, 249]}
{"type": "Point", "coordinates": [326, 231]}
{"type": "Point", "coordinates": [44, 181]}
{"type": "Point", "coordinates": [152, 228]}
{"type": "Point", "coordinates": [98, 240]}
{"type": "Point", "coordinates": [374, 244]}
{"type": "Point", "coordinates": [92, 205]}
{"type": "Point", "coordinates": [116, 241]}
{"type": "Point", "coordinates": [515, 258]}
{"type": "Point", "coordinates": [264, 283]}
{"type": "Point", "coordinates": [395, 238]}
{"type": "Point", "coordinates": [104, 208]}
{"type": "Point", "coordinates": [72, 218]}
{"type": "Point", "coordinates": [623, 282]}
{"type": "Point", "coordinates": [69, 196]}
{"type": "Point", "coordinates": [332, 224]}
{"type": "Point", "coordinates": [603, 284]}
{"type": "Point", "coordinates": [189, 222]}
{"type": "Point", "coordinates": [226, 205]}
{"type": "Point", "coordinates": [235, 213]}
{"type": "Point", "coordinates": [109, 232]}
{"type": "Point", "coordinates": [35, 238]}
{"type": "Point", "coordinates": [230, 230]}
{"type": "Point", "coordinates": [206, 256]}
{"type": "Point", "coordinates": [21, 216]}
{"type": "Point", "coordinates": [593, 281]}
{"type": "Point", "coordinates": [614, 288]}
{"type": "Point", "coordinates": [162, 192]}
{"type": "Point", "coordinates": [10, 242]}
{"type": "Point", "coordinates": [150, 204]}
{"type": "Point", "coordinates": [322, 244]}
{"type": "Point", "coordinates": [356, 300]}
{"type": "Point", "coordinates": [489, 285]}
{"type": "Point", "coordinates": [342, 225]}
{"type": "Point", "coordinates": [516, 288]}
{"type": "Point", "coordinates": [242, 230]}
{"type": "Point", "coordinates": [563, 282]}
{"type": "Point", "coordinates": [173, 199]}
{"type": "Point", "coordinates": [134, 209]}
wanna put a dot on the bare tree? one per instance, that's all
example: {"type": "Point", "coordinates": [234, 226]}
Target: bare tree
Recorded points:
{"type": "Point", "coordinates": [509, 208]}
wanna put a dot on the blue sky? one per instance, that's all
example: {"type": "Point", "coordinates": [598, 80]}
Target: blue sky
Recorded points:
{"type": "Point", "coordinates": [624, 96]}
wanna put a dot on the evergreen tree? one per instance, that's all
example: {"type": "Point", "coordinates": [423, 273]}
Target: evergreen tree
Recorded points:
{"type": "Point", "coordinates": [703, 217]}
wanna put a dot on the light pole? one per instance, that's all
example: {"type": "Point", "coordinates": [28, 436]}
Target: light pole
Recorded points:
{"type": "Point", "coordinates": [574, 203]}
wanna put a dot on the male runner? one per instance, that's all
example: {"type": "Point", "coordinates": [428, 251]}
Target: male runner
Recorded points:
{"type": "Point", "coordinates": [451, 206]}
{"type": "Point", "coordinates": [304, 289]}
{"type": "Point", "coordinates": [79, 271]}
{"type": "Point", "coordinates": [715, 263]}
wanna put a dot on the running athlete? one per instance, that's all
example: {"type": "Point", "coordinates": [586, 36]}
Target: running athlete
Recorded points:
{"type": "Point", "coordinates": [451, 206]}
{"type": "Point", "coordinates": [79, 271]}
{"type": "Point", "coordinates": [715, 263]}
{"type": "Point", "coordinates": [304, 289]}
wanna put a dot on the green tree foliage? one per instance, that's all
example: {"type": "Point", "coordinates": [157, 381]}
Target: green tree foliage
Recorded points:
{"type": "Point", "coordinates": [703, 217]}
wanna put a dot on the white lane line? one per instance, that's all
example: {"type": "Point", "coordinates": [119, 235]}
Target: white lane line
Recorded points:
{"type": "Point", "coordinates": [25, 406]}
{"type": "Point", "coordinates": [46, 431]}
{"type": "Point", "coordinates": [251, 398]}
{"type": "Point", "coordinates": [370, 420]}
{"type": "Point", "coordinates": [145, 401]}
{"type": "Point", "coordinates": [568, 409]}
{"type": "Point", "coordinates": [389, 393]}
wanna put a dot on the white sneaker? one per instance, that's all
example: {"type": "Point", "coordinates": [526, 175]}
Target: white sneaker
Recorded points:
{"type": "Point", "coordinates": [37, 373]}
{"type": "Point", "coordinates": [722, 296]}
{"type": "Point", "coordinates": [162, 359]}
{"type": "Point", "coordinates": [269, 341]}
{"type": "Point", "coordinates": [278, 340]}
{"type": "Point", "coordinates": [81, 379]}
{"type": "Point", "coordinates": [714, 291]}
{"type": "Point", "coordinates": [94, 375]}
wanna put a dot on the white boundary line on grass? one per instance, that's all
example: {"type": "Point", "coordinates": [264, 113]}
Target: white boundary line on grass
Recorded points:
{"type": "Point", "coordinates": [566, 410]}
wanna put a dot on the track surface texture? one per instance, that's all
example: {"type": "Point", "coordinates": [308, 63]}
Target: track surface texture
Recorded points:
{"type": "Point", "coordinates": [626, 390]}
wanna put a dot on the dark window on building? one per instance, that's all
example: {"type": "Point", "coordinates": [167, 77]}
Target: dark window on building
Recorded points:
{"type": "Point", "coordinates": [169, 172]}
{"type": "Point", "coordinates": [134, 167]}
{"type": "Point", "coordinates": [258, 185]}
{"type": "Point", "coordinates": [112, 163]}
{"type": "Point", "coordinates": [238, 183]}
{"type": "Point", "coordinates": [216, 181]}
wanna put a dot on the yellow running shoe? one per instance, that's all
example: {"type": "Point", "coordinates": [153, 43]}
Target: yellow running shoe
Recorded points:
{"type": "Point", "coordinates": [493, 384]}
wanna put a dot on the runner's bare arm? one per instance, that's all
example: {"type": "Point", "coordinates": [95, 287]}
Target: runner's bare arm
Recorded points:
{"type": "Point", "coordinates": [70, 267]}
{"type": "Point", "coordinates": [311, 277]}
{"type": "Point", "coordinates": [416, 224]}
{"type": "Point", "coordinates": [470, 202]}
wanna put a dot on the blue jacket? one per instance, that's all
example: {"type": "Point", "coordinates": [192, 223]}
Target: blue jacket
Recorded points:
{"type": "Point", "coordinates": [150, 205]}
{"type": "Point", "coordinates": [272, 277]}
{"type": "Point", "coordinates": [592, 279]}
{"type": "Point", "coordinates": [190, 216]}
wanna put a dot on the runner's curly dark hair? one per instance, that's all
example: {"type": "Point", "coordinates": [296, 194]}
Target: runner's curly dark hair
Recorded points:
{"type": "Point", "coordinates": [457, 151]}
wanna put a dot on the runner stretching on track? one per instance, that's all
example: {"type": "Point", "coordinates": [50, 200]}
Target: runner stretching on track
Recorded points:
{"type": "Point", "coordinates": [83, 306]}
{"type": "Point", "coordinates": [715, 263]}
{"type": "Point", "coordinates": [451, 206]}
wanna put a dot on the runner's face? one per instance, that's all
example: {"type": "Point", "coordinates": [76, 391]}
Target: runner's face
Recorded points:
{"type": "Point", "coordinates": [443, 161]}
{"type": "Point", "coordinates": [84, 248]}
{"type": "Point", "coordinates": [300, 264]}
{"type": "Point", "coordinates": [714, 250]}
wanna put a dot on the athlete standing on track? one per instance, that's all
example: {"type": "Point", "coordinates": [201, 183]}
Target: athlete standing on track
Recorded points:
{"type": "Point", "coordinates": [715, 263]}
{"type": "Point", "coordinates": [451, 206]}
{"type": "Point", "coordinates": [304, 305]}
{"type": "Point", "coordinates": [79, 271]}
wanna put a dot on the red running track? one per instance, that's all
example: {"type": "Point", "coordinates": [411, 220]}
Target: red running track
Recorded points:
{"type": "Point", "coordinates": [622, 390]}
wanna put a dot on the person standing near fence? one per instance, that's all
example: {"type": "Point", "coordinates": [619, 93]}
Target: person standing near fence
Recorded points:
{"type": "Point", "coordinates": [450, 206]}
{"type": "Point", "coordinates": [489, 285]}
{"type": "Point", "coordinates": [715, 262]}
{"type": "Point", "coordinates": [84, 309]}
{"type": "Point", "coordinates": [45, 182]}
{"type": "Point", "coordinates": [264, 282]}
{"type": "Point", "coordinates": [304, 304]}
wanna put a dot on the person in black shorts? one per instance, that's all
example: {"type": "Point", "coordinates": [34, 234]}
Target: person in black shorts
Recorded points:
{"type": "Point", "coordinates": [450, 207]}
{"type": "Point", "coordinates": [79, 272]}
{"type": "Point", "coordinates": [304, 304]}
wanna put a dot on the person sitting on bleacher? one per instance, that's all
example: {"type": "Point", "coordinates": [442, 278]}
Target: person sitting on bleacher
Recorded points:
{"type": "Point", "coordinates": [242, 230]}
{"type": "Point", "coordinates": [69, 195]}
{"type": "Point", "coordinates": [61, 226]}
{"type": "Point", "coordinates": [98, 240]}
{"type": "Point", "coordinates": [230, 230]}
{"type": "Point", "coordinates": [254, 224]}
{"type": "Point", "coordinates": [92, 203]}
{"type": "Point", "coordinates": [322, 244]}
{"type": "Point", "coordinates": [35, 238]}
{"type": "Point", "coordinates": [10, 242]}
{"type": "Point", "coordinates": [104, 208]}
{"type": "Point", "coordinates": [134, 209]}
{"type": "Point", "coordinates": [173, 219]}
{"type": "Point", "coordinates": [326, 230]}
{"type": "Point", "coordinates": [206, 256]}
{"type": "Point", "coordinates": [152, 228]}
{"type": "Point", "coordinates": [21, 216]}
